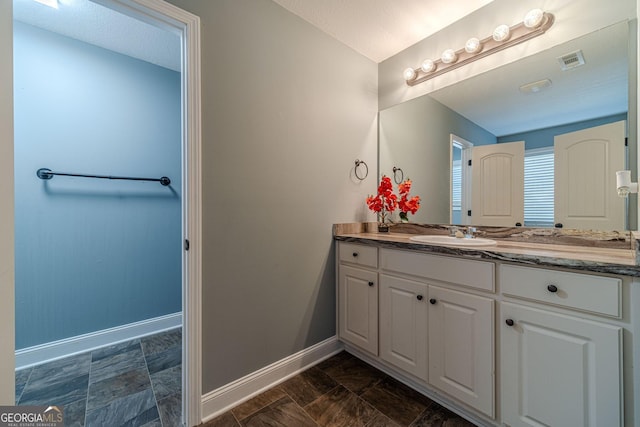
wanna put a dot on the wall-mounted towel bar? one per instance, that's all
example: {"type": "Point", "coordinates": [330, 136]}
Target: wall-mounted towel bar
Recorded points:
{"type": "Point", "coordinates": [44, 173]}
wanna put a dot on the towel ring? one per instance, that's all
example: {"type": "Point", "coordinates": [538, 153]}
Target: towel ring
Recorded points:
{"type": "Point", "coordinates": [366, 173]}
{"type": "Point", "coordinates": [395, 176]}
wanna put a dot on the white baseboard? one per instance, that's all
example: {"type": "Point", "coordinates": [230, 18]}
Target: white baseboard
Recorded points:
{"type": "Point", "coordinates": [82, 343]}
{"type": "Point", "coordinates": [226, 397]}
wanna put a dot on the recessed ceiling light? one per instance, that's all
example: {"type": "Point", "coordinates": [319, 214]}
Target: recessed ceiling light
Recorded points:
{"type": "Point", "coordinates": [535, 87]}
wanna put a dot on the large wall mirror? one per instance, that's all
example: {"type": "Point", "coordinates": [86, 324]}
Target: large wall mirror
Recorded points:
{"type": "Point", "coordinates": [539, 104]}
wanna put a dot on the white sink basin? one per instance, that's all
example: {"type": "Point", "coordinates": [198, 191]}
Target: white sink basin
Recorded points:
{"type": "Point", "coordinates": [453, 241]}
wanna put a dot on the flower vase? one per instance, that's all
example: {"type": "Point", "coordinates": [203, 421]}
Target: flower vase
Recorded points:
{"type": "Point", "coordinates": [383, 227]}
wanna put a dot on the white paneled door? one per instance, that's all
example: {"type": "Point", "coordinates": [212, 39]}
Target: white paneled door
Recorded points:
{"type": "Point", "coordinates": [586, 162]}
{"type": "Point", "coordinates": [498, 184]}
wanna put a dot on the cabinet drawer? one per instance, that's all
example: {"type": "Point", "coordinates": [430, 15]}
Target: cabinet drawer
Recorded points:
{"type": "Point", "coordinates": [474, 274]}
{"type": "Point", "coordinates": [358, 254]}
{"type": "Point", "coordinates": [585, 292]}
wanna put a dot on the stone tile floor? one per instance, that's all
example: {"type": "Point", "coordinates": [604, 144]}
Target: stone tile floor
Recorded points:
{"type": "Point", "coordinates": [342, 391]}
{"type": "Point", "coordinates": [135, 383]}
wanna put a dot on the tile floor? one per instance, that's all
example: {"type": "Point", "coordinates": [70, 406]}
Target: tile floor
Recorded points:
{"type": "Point", "coordinates": [342, 391]}
{"type": "Point", "coordinates": [135, 383]}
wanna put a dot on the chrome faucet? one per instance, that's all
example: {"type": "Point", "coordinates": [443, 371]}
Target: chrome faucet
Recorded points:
{"type": "Point", "coordinates": [469, 234]}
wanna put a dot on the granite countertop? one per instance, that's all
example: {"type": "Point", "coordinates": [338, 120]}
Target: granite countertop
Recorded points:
{"type": "Point", "coordinates": [594, 257]}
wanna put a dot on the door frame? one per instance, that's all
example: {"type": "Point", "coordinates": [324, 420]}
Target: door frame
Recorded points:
{"type": "Point", "coordinates": [465, 181]}
{"type": "Point", "coordinates": [187, 27]}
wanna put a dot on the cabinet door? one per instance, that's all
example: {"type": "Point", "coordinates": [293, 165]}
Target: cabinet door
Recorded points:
{"type": "Point", "coordinates": [358, 307]}
{"type": "Point", "coordinates": [403, 324]}
{"type": "Point", "coordinates": [461, 347]}
{"type": "Point", "coordinates": [558, 370]}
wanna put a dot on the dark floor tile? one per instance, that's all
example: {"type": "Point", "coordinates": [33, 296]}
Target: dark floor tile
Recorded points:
{"type": "Point", "coordinates": [61, 370]}
{"type": "Point", "coordinates": [170, 409]}
{"type": "Point", "coordinates": [438, 416]}
{"type": "Point", "coordinates": [340, 408]}
{"type": "Point", "coordinates": [381, 420]}
{"type": "Point", "coordinates": [333, 361]}
{"type": "Point", "coordinates": [164, 360]}
{"type": "Point", "coordinates": [74, 413]}
{"type": "Point", "coordinates": [356, 375]}
{"type": "Point", "coordinates": [395, 402]}
{"type": "Point", "coordinates": [281, 413]}
{"type": "Point", "coordinates": [116, 363]}
{"type": "Point", "coordinates": [112, 350]}
{"type": "Point", "coordinates": [168, 382]}
{"type": "Point", "coordinates": [161, 342]}
{"type": "Point", "coordinates": [308, 386]}
{"type": "Point", "coordinates": [22, 376]}
{"type": "Point", "coordinates": [104, 392]}
{"type": "Point", "coordinates": [224, 420]}
{"type": "Point", "coordinates": [258, 402]}
{"type": "Point", "coordinates": [403, 391]}
{"type": "Point", "coordinates": [134, 410]}
{"type": "Point", "coordinates": [61, 392]}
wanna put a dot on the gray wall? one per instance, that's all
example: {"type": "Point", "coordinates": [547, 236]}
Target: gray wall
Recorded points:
{"type": "Point", "coordinates": [541, 138]}
{"type": "Point", "coordinates": [113, 246]}
{"type": "Point", "coordinates": [286, 111]}
{"type": "Point", "coordinates": [415, 136]}
{"type": "Point", "coordinates": [7, 361]}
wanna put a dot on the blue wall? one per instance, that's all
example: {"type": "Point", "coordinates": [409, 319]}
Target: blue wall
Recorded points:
{"type": "Point", "coordinates": [544, 137]}
{"type": "Point", "coordinates": [93, 254]}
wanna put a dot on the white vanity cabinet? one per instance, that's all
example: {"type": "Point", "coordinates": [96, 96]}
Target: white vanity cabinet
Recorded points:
{"type": "Point", "coordinates": [432, 327]}
{"type": "Point", "coordinates": [558, 369]}
{"type": "Point", "coordinates": [503, 344]}
{"type": "Point", "coordinates": [358, 296]}
{"type": "Point", "coordinates": [403, 324]}
{"type": "Point", "coordinates": [461, 346]}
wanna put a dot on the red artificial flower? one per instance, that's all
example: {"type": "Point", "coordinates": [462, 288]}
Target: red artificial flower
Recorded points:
{"type": "Point", "coordinates": [404, 187]}
{"type": "Point", "coordinates": [385, 201]}
{"type": "Point", "coordinates": [405, 204]}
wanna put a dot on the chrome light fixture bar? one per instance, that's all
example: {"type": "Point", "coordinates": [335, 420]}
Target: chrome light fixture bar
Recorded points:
{"type": "Point", "coordinates": [535, 23]}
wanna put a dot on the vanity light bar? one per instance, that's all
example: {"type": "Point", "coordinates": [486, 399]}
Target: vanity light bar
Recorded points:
{"type": "Point", "coordinates": [536, 23]}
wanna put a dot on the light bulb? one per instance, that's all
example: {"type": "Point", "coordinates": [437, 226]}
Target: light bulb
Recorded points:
{"type": "Point", "coordinates": [501, 33]}
{"type": "Point", "coordinates": [533, 18]}
{"type": "Point", "coordinates": [409, 74]}
{"type": "Point", "coordinates": [428, 66]}
{"type": "Point", "coordinates": [473, 45]}
{"type": "Point", "coordinates": [449, 56]}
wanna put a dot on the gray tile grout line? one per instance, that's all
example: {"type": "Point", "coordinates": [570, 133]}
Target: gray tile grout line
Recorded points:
{"type": "Point", "coordinates": [153, 390]}
{"type": "Point", "coordinates": [25, 385]}
{"type": "Point", "coordinates": [86, 400]}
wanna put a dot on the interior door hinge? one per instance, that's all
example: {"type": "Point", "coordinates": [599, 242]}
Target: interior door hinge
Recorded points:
{"type": "Point", "coordinates": [626, 142]}
{"type": "Point", "coordinates": [469, 212]}
{"type": "Point", "coordinates": [186, 244]}
{"type": "Point", "coordinates": [469, 162]}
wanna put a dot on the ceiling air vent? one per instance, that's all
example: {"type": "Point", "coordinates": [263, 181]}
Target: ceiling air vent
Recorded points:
{"type": "Point", "coordinates": [571, 60]}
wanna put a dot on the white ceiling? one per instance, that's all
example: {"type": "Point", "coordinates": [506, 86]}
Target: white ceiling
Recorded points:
{"type": "Point", "coordinates": [379, 29]}
{"type": "Point", "coordinates": [596, 89]}
{"type": "Point", "coordinates": [103, 27]}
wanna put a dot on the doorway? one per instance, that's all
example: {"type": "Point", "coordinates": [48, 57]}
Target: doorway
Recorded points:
{"type": "Point", "coordinates": [460, 193]}
{"type": "Point", "coordinates": [187, 27]}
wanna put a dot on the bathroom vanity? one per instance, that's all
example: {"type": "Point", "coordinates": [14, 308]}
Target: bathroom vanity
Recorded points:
{"type": "Point", "coordinates": [516, 334]}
